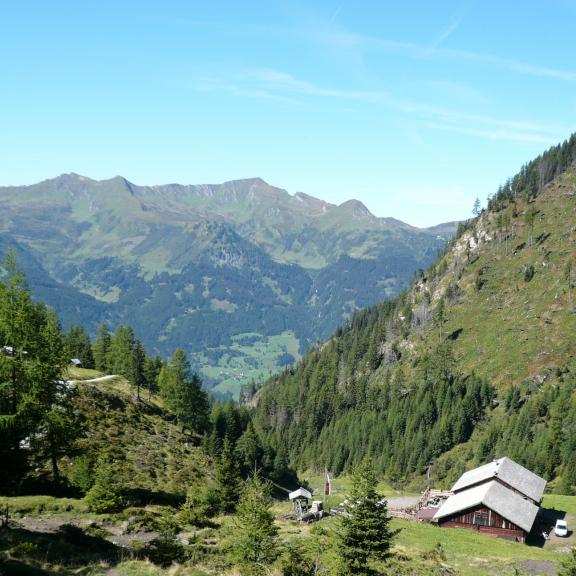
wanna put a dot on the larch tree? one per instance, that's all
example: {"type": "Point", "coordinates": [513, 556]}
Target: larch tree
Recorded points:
{"type": "Point", "coordinates": [31, 389]}
{"type": "Point", "coordinates": [137, 375]}
{"type": "Point", "coordinates": [101, 348]}
{"type": "Point", "coordinates": [77, 345]}
{"type": "Point", "coordinates": [183, 394]}
{"type": "Point", "coordinates": [120, 355]}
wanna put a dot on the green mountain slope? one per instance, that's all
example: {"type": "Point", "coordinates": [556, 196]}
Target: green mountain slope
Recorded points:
{"type": "Point", "coordinates": [475, 360]}
{"type": "Point", "coordinates": [243, 275]}
{"type": "Point", "coordinates": [153, 456]}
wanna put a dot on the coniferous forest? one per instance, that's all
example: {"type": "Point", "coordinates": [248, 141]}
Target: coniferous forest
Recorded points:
{"type": "Point", "coordinates": [391, 384]}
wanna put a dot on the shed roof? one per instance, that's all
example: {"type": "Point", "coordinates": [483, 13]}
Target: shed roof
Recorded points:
{"type": "Point", "coordinates": [502, 500]}
{"type": "Point", "coordinates": [509, 472]}
{"type": "Point", "coordinates": [300, 493]}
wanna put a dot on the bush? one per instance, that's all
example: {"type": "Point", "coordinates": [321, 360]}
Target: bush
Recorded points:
{"type": "Point", "coordinates": [81, 473]}
{"type": "Point", "coordinates": [25, 550]}
{"type": "Point", "coordinates": [296, 562]}
{"type": "Point", "coordinates": [528, 273]}
{"type": "Point", "coordinates": [202, 503]}
{"type": "Point", "coordinates": [164, 550]}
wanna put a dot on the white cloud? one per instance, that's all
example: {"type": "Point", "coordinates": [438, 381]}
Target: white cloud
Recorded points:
{"type": "Point", "coordinates": [274, 84]}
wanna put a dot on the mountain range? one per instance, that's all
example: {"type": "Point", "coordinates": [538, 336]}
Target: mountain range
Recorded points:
{"type": "Point", "coordinates": [243, 275]}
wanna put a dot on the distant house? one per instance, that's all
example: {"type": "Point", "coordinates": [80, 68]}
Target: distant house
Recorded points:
{"type": "Point", "coordinates": [501, 498]}
{"type": "Point", "coordinates": [11, 351]}
{"type": "Point", "coordinates": [76, 362]}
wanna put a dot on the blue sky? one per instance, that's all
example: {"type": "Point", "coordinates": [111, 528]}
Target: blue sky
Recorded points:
{"type": "Point", "coordinates": [413, 107]}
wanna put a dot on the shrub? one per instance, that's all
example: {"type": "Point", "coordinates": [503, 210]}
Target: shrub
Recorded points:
{"type": "Point", "coordinates": [296, 562]}
{"type": "Point", "coordinates": [164, 550]}
{"type": "Point", "coordinates": [528, 273]}
{"type": "Point", "coordinates": [82, 473]}
{"type": "Point", "coordinates": [202, 503]}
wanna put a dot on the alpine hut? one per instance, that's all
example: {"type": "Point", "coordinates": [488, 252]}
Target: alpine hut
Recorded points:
{"type": "Point", "coordinates": [501, 498]}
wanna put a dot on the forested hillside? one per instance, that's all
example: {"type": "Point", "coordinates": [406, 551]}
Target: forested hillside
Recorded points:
{"type": "Point", "coordinates": [475, 360]}
{"type": "Point", "coordinates": [242, 275]}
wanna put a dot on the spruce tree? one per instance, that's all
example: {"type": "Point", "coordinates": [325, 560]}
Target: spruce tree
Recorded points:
{"type": "Point", "coordinates": [364, 534]}
{"type": "Point", "coordinates": [249, 449]}
{"type": "Point", "coordinates": [228, 478]}
{"type": "Point", "coordinates": [255, 544]}
{"type": "Point", "coordinates": [105, 495]}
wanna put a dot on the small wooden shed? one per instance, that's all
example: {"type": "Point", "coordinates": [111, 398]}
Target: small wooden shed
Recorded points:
{"type": "Point", "coordinates": [300, 501]}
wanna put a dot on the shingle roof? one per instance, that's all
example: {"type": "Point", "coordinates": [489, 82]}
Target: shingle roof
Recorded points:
{"type": "Point", "coordinates": [509, 472]}
{"type": "Point", "coordinates": [493, 495]}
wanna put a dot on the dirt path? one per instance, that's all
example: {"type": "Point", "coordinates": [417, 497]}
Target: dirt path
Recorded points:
{"type": "Point", "coordinates": [99, 379]}
{"type": "Point", "coordinates": [52, 524]}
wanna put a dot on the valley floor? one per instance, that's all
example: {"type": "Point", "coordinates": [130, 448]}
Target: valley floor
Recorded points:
{"type": "Point", "coordinates": [48, 535]}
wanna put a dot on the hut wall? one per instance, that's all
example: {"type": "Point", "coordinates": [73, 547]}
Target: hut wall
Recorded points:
{"type": "Point", "coordinates": [484, 520]}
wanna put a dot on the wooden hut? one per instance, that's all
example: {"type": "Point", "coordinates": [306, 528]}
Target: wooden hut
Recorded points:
{"type": "Point", "coordinates": [501, 498]}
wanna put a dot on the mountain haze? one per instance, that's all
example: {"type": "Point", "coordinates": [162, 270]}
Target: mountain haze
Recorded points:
{"type": "Point", "coordinates": [243, 275]}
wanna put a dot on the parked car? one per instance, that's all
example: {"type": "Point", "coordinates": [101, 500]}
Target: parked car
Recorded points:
{"type": "Point", "coordinates": [561, 528]}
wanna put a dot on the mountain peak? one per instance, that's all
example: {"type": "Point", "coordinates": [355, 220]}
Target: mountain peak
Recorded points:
{"type": "Point", "coordinates": [356, 208]}
{"type": "Point", "coordinates": [69, 178]}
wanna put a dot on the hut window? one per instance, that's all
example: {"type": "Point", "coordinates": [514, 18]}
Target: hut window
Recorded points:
{"type": "Point", "coordinates": [481, 518]}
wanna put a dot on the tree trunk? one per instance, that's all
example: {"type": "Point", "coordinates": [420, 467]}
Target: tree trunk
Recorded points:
{"type": "Point", "coordinates": [54, 461]}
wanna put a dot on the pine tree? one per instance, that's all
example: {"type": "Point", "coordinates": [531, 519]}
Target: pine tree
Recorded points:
{"type": "Point", "coordinates": [255, 540]}
{"type": "Point", "coordinates": [228, 480]}
{"type": "Point", "coordinates": [364, 534]}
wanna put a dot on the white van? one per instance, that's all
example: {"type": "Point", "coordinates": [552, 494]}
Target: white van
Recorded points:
{"type": "Point", "coordinates": [561, 528]}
